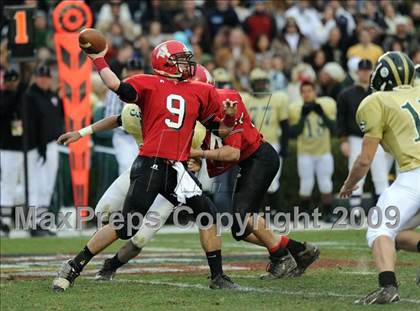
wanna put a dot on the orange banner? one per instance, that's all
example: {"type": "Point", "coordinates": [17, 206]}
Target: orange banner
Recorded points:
{"type": "Point", "coordinates": [74, 71]}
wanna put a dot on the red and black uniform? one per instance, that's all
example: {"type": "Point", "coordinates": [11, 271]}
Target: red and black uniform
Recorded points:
{"type": "Point", "coordinates": [258, 163]}
{"type": "Point", "coordinates": [169, 111]}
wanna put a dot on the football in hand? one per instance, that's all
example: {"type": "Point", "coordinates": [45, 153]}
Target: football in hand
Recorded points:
{"type": "Point", "coordinates": [92, 41]}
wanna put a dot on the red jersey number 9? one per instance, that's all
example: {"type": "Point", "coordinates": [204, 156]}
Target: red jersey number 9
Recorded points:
{"type": "Point", "coordinates": [179, 111]}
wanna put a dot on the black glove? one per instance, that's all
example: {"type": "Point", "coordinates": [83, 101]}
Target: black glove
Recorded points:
{"type": "Point", "coordinates": [318, 109]}
{"type": "Point", "coordinates": [42, 151]}
{"type": "Point", "coordinates": [306, 109]}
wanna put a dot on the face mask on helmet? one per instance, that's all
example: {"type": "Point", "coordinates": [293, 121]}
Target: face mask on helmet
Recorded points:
{"type": "Point", "coordinates": [185, 66]}
{"type": "Point", "coordinates": [173, 59]}
{"type": "Point", "coordinates": [260, 87]}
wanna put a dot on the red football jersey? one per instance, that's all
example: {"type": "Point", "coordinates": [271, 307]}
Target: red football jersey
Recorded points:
{"type": "Point", "coordinates": [245, 136]}
{"type": "Point", "coordinates": [169, 111]}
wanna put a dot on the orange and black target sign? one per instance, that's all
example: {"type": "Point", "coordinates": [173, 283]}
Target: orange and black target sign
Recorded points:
{"type": "Point", "coordinates": [21, 33]}
{"type": "Point", "coordinates": [74, 71]}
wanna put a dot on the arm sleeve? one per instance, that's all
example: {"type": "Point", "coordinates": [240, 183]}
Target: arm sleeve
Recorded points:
{"type": "Point", "coordinates": [369, 117]}
{"type": "Point", "coordinates": [127, 92]}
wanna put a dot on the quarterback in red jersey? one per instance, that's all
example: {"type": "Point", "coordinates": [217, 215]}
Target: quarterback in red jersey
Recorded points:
{"type": "Point", "coordinates": [170, 106]}
{"type": "Point", "coordinates": [258, 162]}
{"type": "Point", "coordinates": [244, 147]}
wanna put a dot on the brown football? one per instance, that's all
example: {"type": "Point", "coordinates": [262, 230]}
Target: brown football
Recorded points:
{"type": "Point", "coordinates": [92, 41]}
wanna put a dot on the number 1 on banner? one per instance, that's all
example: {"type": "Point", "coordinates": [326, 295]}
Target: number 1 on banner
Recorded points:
{"type": "Point", "coordinates": [21, 29]}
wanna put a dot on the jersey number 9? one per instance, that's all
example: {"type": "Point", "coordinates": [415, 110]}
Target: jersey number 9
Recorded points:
{"type": "Point", "coordinates": [178, 112]}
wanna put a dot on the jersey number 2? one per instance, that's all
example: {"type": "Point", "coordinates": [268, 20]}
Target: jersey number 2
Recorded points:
{"type": "Point", "coordinates": [178, 112]}
{"type": "Point", "coordinates": [416, 118]}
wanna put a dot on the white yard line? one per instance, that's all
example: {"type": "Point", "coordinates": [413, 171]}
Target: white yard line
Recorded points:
{"type": "Point", "coordinates": [253, 289]}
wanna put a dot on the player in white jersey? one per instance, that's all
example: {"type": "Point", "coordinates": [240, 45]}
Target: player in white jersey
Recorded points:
{"type": "Point", "coordinates": [391, 117]}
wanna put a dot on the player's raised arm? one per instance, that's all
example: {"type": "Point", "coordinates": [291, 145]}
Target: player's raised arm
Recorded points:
{"type": "Point", "coordinates": [108, 123]}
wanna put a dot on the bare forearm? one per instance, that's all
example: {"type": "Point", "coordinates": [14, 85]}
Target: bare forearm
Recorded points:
{"type": "Point", "coordinates": [226, 153]}
{"type": "Point", "coordinates": [358, 171]}
{"type": "Point", "coordinates": [110, 79]}
{"type": "Point", "coordinates": [108, 123]}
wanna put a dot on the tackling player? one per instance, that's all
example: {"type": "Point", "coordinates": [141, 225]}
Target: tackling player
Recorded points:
{"type": "Point", "coordinates": [245, 148]}
{"type": "Point", "coordinates": [170, 106]}
{"type": "Point", "coordinates": [391, 117]}
{"type": "Point", "coordinates": [313, 123]}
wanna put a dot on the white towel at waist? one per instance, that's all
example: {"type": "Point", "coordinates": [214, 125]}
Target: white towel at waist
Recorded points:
{"type": "Point", "coordinates": [186, 187]}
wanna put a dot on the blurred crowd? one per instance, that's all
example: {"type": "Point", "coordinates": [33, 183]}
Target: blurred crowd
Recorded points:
{"type": "Point", "coordinates": [293, 41]}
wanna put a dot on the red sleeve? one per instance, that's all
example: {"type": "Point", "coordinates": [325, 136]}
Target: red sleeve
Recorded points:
{"type": "Point", "coordinates": [234, 139]}
{"type": "Point", "coordinates": [141, 83]}
{"type": "Point", "coordinates": [211, 107]}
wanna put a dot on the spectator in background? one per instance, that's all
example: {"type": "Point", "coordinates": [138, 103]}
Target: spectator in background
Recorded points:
{"type": "Point", "coordinates": [292, 45]}
{"type": "Point", "coordinates": [42, 32]}
{"type": "Point", "coordinates": [189, 18]}
{"type": "Point", "coordinates": [259, 24]}
{"type": "Point", "coordinates": [309, 22]}
{"type": "Point", "coordinates": [276, 75]}
{"type": "Point", "coordinates": [241, 75]}
{"type": "Point", "coordinates": [11, 159]}
{"type": "Point", "coordinates": [201, 37]}
{"type": "Point", "coordinates": [390, 18]}
{"type": "Point", "coordinates": [125, 146]}
{"type": "Point", "coordinates": [402, 37]}
{"type": "Point", "coordinates": [335, 48]}
{"type": "Point", "coordinates": [155, 12]}
{"type": "Point", "coordinates": [371, 13]}
{"type": "Point", "coordinates": [343, 18]}
{"type": "Point", "coordinates": [415, 16]}
{"type": "Point", "coordinates": [237, 49]}
{"type": "Point", "coordinates": [330, 79]}
{"type": "Point", "coordinates": [365, 49]}
{"type": "Point", "coordinates": [222, 15]}
{"type": "Point", "coordinates": [241, 11]}
{"type": "Point", "coordinates": [124, 53]}
{"type": "Point", "coordinates": [317, 61]}
{"type": "Point", "coordinates": [300, 73]}
{"type": "Point", "coordinates": [44, 127]}
{"type": "Point", "coordinates": [263, 48]}
{"type": "Point", "coordinates": [142, 49]}
{"type": "Point", "coordinates": [117, 12]}
{"type": "Point", "coordinates": [313, 123]}
{"type": "Point", "coordinates": [155, 34]}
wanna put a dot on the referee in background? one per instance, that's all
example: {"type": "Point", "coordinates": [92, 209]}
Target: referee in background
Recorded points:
{"type": "Point", "coordinates": [125, 146]}
{"type": "Point", "coordinates": [351, 137]}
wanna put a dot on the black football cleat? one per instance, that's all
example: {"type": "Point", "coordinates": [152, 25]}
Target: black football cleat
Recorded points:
{"type": "Point", "coordinates": [382, 295]}
{"type": "Point", "coordinates": [280, 267]}
{"type": "Point", "coordinates": [222, 281]}
{"type": "Point", "coordinates": [305, 258]}
{"type": "Point", "coordinates": [65, 277]}
{"type": "Point", "coordinates": [106, 273]}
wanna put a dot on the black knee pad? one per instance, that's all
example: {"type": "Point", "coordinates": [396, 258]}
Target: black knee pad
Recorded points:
{"type": "Point", "coordinates": [123, 234]}
{"type": "Point", "coordinates": [126, 232]}
{"type": "Point", "coordinates": [236, 230]}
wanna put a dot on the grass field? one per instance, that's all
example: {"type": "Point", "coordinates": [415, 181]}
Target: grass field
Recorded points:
{"type": "Point", "coordinates": [171, 275]}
